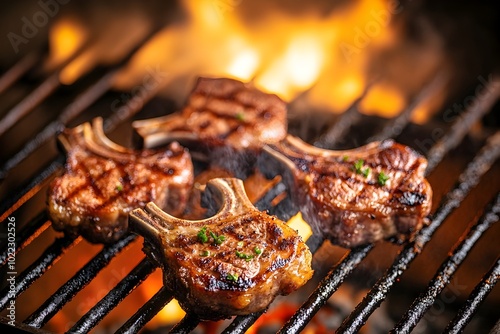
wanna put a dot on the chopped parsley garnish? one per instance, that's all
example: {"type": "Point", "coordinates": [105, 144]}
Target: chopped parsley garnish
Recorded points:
{"type": "Point", "coordinates": [358, 168]}
{"type": "Point", "coordinates": [358, 165]}
{"type": "Point", "coordinates": [240, 116]}
{"type": "Point", "coordinates": [345, 158]}
{"type": "Point", "coordinates": [119, 187]}
{"type": "Point", "coordinates": [205, 253]}
{"type": "Point", "coordinates": [257, 250]}
{"type": "Point", "coordinates": [202, 235]}
{"type": "Point", "coordinates": [218, 239]}
{"type": "Point", "coordinates": [382, 178]}
{"type": "Point", "coordinates": [232, 277]}
{"type": "Point", "coordinates": [246, 257]}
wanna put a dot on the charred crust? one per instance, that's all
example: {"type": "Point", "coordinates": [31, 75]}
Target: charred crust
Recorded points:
{"type": "Point", "coordinates": [287, 243]}
{"type": "Point", "coordinates": [410, 198]}
{"type": "Point", "coordinates": [277, 264]}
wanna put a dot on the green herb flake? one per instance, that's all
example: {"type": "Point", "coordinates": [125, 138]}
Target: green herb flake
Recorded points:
{"type": "Point", "coordinates": [382, 178]}
{"type": "Point", "coordinates": [345, 158]}
{"type": "Point", "coordinates": [232, 277]}
{"type": "Point", "coordinates": [366, 172]}
{"type": "Point", "coordinates": [358, 168]}
{"type": "Point", "coordinates": [119, 187]}
{"type": "Point", "coordinates": [358, 165]}
{"type": "Point", "coordinates": [257, 250]}
{"type": "Point", "coordinates": [205, 253]}
{"type": "Point", "coordinates": [240, 116]}
{"type": "Point", "coordinates": [218, 239]}
{"type": "Point", "coordinates": [246, 257]}
{"type": "Point", "coordinates": [202, 235]}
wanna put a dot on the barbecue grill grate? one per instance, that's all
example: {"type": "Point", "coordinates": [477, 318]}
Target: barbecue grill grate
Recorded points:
{"type": "Point", "coordinates": [468, 179]}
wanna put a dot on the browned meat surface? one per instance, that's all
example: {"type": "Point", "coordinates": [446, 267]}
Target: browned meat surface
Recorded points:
{"type": "Point", "coordinates": [224, 119]}
{"type": "Point", "coordinates": [235, 262]}
{"type": "Point", "coordinates": [356, 196]}
{"type": "Point", "coordinates": [103, 182]}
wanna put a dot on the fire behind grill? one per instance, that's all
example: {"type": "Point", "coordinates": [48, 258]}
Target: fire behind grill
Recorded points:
{"type": "Point", "coordinates": [452, 179]}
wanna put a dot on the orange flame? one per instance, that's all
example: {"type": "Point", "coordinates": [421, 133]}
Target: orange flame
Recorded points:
{"type": "Point", "coordinates": [65, 38]}
{"type": "Point", "coordinates": [282, 54]}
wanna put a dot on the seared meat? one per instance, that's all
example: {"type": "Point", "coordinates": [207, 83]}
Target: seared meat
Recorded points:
{"type": "Point", "coordinates": [224, 119]}
{"type": "Point", "coordinates": [356, 196]}
{"type": "Point", "coordinates": [104, 181]}
{"type": "Point", "coordinates": [235, 262]}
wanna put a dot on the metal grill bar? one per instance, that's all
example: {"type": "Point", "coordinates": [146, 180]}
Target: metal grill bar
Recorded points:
{"type": "Point", "coordinates": [467, 180]}
{"type": "Point", "coordinates": [16, 71]}
{"type": "Point", "coordinates": [328, 286]}
{"type": "Point", "coordinates": [462, 125]}
{"type": "Point", "coordinates": [35, 184]}
{"type": "Point", "coordinates": [23, 194]}
{"type": "Point", "coordinates": [186, 325]}
{"type": "Point", "coordinates": [29, 102]}
{"type": "Point", "coordinates": [72, 110]}
{"type": "Point", "coordinates": [114, 297]}
{"type": "Point", "coordinates": [321, 298]}
{"type": "Point", "coordinates": [241, 323]}
{"type": "Point", "coordinates": [341, 127]}
{"type": "Point", "coordinates": [475, 299]}
{"type": "Point", "coordinates": [66, 292]}
{"type": "Point", "coordinates": [81, 102]}
{"type": "Point", "coordinates": [146, 312]}
{"type": "Point", "coordinates": [38, 268]}
{"type": "Point", "coordinates": [448, 268]}
{"type": "Point", "coordinates": [396, 125]}
{"type": "Point", "coordinates": [24, 237]}
{"type": "Point", "coordinates": [325, 289]}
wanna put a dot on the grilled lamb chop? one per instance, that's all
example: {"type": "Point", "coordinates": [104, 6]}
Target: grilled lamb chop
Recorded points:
{"type": "Point", "coordinates": [223, 118]}
{"type": "Point", "coordinates": [104, 181]}
{"type": "Point", "coordinates": [233, 263]}
{"type": "Point", "coordinates": [356, 196]}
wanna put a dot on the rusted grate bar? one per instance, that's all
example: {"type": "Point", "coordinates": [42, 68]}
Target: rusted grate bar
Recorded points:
{"type": "Point", "coordinates": [475, 299]}
{"type": "Point", "coordinates": [114, 297]}
{"type": "Point", "coordinates": [146, 312]}
{"type": "Point", "coordinates": [37, 268]}
{"type": "Point", "coordinates": [448, 268]}
{"type": "Point", "coordinates": [467, 180]}
{"type": "Point", "coordinates": [80, 280]}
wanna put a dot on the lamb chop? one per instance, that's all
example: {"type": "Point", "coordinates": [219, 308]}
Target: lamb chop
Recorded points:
{"type": "Point", "coordinates": [224, 121]}
{"type": "Point", "coordinates": [104, 181]}
{"type": "Point", "coordinates": [356, 196]}
{"type": "Point", "coordinates": [233, 263]}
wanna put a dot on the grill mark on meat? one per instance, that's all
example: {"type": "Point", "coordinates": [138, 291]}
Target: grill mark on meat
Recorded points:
{"type": "Point", "coordinates": [347, 203]}
{"type": "Point", "coordinates": [277, 264]}
{"type": "Point", "coordinates": [412, 198]}
{"type": "Point", "coordinates": [392, 198]}
{"type": "Point", "coordinates": [221, 116]}
{"type": "Point", "coordinates": [111, 181]}
{"type": "Point", "coordinates": [259, 257]}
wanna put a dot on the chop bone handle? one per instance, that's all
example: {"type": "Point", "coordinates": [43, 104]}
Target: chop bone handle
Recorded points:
{"type": "Point", "coordinates": [227, 194]}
